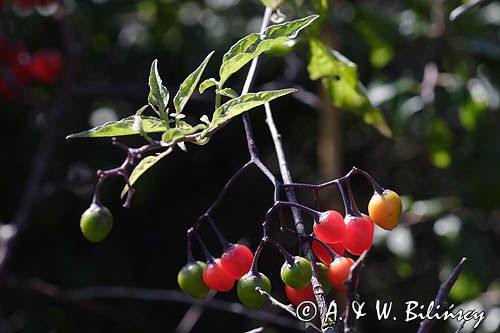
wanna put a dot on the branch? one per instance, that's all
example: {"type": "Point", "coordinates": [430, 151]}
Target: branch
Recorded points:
{"type": "Point", "coordinates": [426, 324]}
{"type": "Point", "coordinates": [83, 294]}
{"type": "Point", "coordinates": [462, 9]}
{"type": "Point", "coordinates": [326, 323]}
{"type": "Point", "coordinates": [352, 295]}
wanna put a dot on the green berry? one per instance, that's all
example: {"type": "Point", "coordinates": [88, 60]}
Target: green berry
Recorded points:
{"type": "Point", "coordinates": [96, 223]}
{"type": "Point", "coordinates": [297, 274]}
{"type": "Point", "coordinates": [190, 280]}
{"type": "Point", "coordinates": [322, 271]}
{"type": "Point", "coordinates": [247, 293]}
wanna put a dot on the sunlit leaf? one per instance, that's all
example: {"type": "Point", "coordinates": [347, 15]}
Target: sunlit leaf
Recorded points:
{"type": "Point", "coordinates": [177, 133]}
{"type": "Point", "coordinates": [142, 167]}
{"type": "Point", "coordinates": [228, 92]}
{"type": "Point", "coordinates": [189, 85]}
{"type": "Point", "coordinates": [237, 106]}
{"type": "Point", "coordinates": [207, 84]}
{"type": "Point", "coordinates": [254, 44]}
{"type": "Point", "coordinates": [158, 94]}
{"type": "Point", "coordinates": [122, 127]}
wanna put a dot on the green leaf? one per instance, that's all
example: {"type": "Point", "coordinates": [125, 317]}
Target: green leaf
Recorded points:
{"type": "Point", "coordinates": [189, 85]}
{"type": "Point", "coordinates": [142, 167]}
{"type": "Point", "coordinates": [237, 106]}
{"type": "Point", "coordinates": [207, 84]}
{"type": "Point", "coordinates": [340, 78]}
{"type": "Point", "coordinates": [177, 133]}
{"type": "Point", "coordinates": [158, 94]}
{"type": "Point", "coordinates": [254, 44]}
{"type": "Point", "coordinates": [228, 92]}
{"type": "Point", "coordinates": [122, 127]}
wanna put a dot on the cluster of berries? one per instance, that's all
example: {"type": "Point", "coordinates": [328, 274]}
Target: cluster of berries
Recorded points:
{"type": "Point", "coordinates": [19, 68]}
{"type": "Point", "coordinates": [333, 236]}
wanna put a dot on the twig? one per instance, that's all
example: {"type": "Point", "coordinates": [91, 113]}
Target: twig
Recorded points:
{"type": "Point", "coordinates": [426, 324]}
{"type": "Point", "coordinates": [88, 293]}
{"type": "Point", "coordinates": [288, 308]}
{"type": "Point", "coordinates": [326, 323]}
{"type": "Point", "coordinates": [462, 9]}
{"type": "Point", "coordinates": [351, 284]}
{"type": "Point", "coordinates": [461, 327]}
{"type": "Point", "coordinates": [192, 316]}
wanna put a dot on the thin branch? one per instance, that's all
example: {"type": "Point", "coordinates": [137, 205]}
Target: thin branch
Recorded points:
{"type": "Point", "coordinates": [426, 324]}
{"type": "Point", "coordinates": [462, 9]}
{"type": "Point", "coordinates": [288, 308]}
{"type": "Point", "coordinates": [83, 294]}
{"type": "Point", "coordinates": [192, 316]}
{"type": "Point", "coordinates": [326, 323]}
{"type": "Point", "coordinates": [352, 295]}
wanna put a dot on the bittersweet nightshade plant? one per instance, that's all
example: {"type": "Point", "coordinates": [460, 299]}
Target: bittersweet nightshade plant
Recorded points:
{"type": "Point", "coordinates": [165, 129]}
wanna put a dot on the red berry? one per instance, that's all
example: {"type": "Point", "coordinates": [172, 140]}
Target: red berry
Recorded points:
{"type": "Point", "coordinates": [46, 66]}
{"type": "Point", "coordinates": [359, 234]}
{"type": "Point", "coordinates": [330, 227]}
{"type": "Point", "coordinates": [322, 254]}
{"type": "Point", "coordinates": [216, 278]}
{"type": "Point", "coordinates": [237, 260]}
{"type": "Point", "coordinates": [339, 272]}
{"type": "Point", "coordinates": [297, 296]}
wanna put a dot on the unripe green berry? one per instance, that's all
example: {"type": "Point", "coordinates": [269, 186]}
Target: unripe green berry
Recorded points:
{"type": "Point", "coordinates": [191, 281]}
{"type": "Point", "coordinates": [96, 223]}
{"type": "Point", "coordinates": [247, 293]}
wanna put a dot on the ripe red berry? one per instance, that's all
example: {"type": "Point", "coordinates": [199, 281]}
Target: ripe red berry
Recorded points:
{"type": "Point", "coordinates": [330, 228]}
{"type": "Point", "coordinates": [359, 234]}
{"type": "Point", "coordinates": [339, 272]}
{"type": "Point", "coordinates": [216, 278]}
{"type": "Point", "coordinates": [237, 260]}
{"type": "Point", "coordinates": [46, 66]}
{"type": "Point", "coordinates": [322, 254]}
{"type": "Point", "coordinates": [297, 296]}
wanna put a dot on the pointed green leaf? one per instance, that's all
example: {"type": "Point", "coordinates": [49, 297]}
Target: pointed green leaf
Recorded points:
{"type": "Point", "coordinates": [207, 84]}
{"type": "Point", "coordinates": [177, 133]}
{"type": "Point", "coordinates": [141, 168]}
{"type": "Point", "coordinates": [158, 94]}
{"type": "Point", "coordinates": [340, 78]}
{"type": "Point", "coordinates": [228, 92]}
{"type": "Point", "coordinates": [254, 44]}
{"type": "Point", "coordinates": [237, 106]}
{"type": "Point", "coordinates": [122, 127]}
{"type": "Point", "coordinates": [189, 85]}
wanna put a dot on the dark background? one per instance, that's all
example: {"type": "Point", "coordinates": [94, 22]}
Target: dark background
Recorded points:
{"type": "Point", "coordinates": [444, 158]}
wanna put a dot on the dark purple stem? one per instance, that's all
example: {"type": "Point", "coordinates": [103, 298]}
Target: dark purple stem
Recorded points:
{"type": "Point", "coordinates": [351, 285]}
{"type": "Point", "coordinates": [444, 290]}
